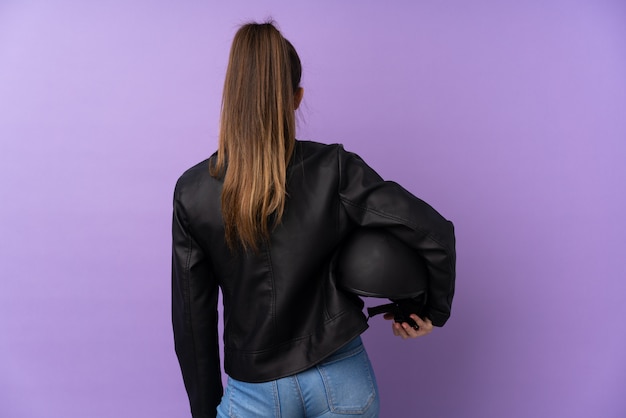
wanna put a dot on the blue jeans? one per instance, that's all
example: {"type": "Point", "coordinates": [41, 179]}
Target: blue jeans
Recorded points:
{"type": "Point", "coordinates": [343, 384]}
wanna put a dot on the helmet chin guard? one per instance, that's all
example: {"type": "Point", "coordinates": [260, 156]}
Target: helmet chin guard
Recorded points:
{"type": "Point", "coordinates": [374, 263]}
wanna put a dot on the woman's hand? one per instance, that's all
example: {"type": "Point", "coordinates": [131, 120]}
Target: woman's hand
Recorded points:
{"type": "Point", "coordinates": [405, 331]}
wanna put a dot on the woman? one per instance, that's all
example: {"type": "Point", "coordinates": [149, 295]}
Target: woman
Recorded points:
{"type": "Point", "coordinates": [261, 219]}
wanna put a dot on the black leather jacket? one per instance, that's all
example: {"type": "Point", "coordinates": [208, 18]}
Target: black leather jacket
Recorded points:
{"type": "Point", "coordinates": [282, 310]}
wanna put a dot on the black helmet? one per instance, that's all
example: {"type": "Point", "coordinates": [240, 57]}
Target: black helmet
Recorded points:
{"type": "Point", "coordinates": [372, 262]}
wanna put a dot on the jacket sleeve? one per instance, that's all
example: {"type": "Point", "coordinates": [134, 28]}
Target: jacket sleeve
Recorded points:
{"type": "Point", "coordinates": [194, 318]}
{"type": "Point", "coordinates": [372, 202]}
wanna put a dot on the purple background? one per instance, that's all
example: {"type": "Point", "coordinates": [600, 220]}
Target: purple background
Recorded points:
{"type": "Point", "coordinates": [508, 117]}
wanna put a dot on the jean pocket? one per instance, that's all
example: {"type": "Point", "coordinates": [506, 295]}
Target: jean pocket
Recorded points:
{"type": "Point", "coordinates": [350, 383]}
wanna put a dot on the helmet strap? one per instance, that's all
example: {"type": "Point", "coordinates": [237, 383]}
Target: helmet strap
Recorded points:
{"type": "Point", "coordinates": [401, 309]}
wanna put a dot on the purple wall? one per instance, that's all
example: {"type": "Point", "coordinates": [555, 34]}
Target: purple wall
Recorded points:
{"type": "Point", "coordinates": [509, 117]}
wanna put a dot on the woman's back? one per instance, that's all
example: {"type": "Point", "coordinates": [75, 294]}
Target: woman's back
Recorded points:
{"type": "Point", "coordinates": [263, 226]}
{"type": "Point", "coordinates": [283, 311]}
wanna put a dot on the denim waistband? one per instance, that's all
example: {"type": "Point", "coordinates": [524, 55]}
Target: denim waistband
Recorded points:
{"type": "Point", "coordinates": [351, 348]}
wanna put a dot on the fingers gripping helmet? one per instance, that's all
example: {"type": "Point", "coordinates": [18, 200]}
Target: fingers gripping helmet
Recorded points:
{"type": "Point", "coordinates": [372, 262]}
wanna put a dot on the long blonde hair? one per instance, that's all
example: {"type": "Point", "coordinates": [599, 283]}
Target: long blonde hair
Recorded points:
{"type": "Point", "coordinates": [257, 133]}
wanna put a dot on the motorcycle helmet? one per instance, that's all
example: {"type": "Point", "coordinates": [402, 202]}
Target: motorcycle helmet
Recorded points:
{"type": "Point", "coordinates": [372, 262]}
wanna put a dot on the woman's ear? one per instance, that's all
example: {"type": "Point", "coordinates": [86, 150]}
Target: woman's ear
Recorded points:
{"type": "Point", "coordinates": [297, 97]}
